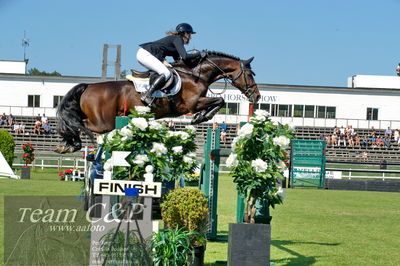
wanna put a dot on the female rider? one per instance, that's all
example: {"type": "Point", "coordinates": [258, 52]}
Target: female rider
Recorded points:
{"type": "Point", "coordinates": [152, 54]}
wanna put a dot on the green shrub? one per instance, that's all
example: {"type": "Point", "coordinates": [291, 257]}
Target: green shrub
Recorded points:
{"type": "Point", "coordinates": [7, 146]}
{"type": "Point", "coordinates": [186, 208]}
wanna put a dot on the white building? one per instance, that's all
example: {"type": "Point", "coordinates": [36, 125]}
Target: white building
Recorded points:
{"type": "Point", "coordinates": [361, 105]}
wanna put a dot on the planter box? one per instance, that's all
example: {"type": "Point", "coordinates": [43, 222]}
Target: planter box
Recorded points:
{"type": "Point", "coordinates": [249, 244]}
{"type": "Point", "coordinates": [25, 172]}
{"type": "Point", "coordinates": [198, 256]}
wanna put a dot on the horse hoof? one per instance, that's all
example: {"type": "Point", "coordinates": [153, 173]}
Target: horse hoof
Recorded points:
{"type": "Point", "coordinates": [198, 118]}
{"type": "Point", "coordinates": [60, 149]}
{"type": "Point", "coordinates": [68, 149]}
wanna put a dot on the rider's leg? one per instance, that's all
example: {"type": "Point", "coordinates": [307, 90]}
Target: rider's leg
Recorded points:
{"type": "Point", "coordinates": [151, 62]}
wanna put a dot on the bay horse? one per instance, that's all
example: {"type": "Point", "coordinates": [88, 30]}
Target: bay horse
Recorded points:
{"type": "Point", "coordinates": [93, 107]}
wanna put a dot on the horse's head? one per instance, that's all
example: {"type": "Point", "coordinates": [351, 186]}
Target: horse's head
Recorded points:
{"type": "Point", "coordinates": [237, 71]}
{"type": "Point", "coordinates": [243, 79]}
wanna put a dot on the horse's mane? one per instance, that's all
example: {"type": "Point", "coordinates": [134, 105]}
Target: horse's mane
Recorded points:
{"type": "Point", "coordinates": [180, 63]}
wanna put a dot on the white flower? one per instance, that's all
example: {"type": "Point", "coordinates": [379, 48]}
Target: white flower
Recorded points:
{"type": "Point", "coordinates": [281, 166]}
{"type": "Point", "coordinates": [259, 165]}
{"type": "Point", "coordinates": [177, 149]}
{"type": "Point", "coordinates": [232, 160]}
{"type": "Point", "coordinates": [184, 135]}
{"type": "Point", "coordinates": [149, 169]}
{"type": "Point", "coordinates": [142, 109]}
{"type": "Point", "coordinates": [281, 141]}
{"type": "Point", "coordinates": [234, 141]}
{"type": "Point", "coordinates": [246, 131]}
{"type": "Point", "coordinates": [140, 123]}
{"type": "Point", "coordinates": [260, 112]}
{"type": "Point", "coordinates": [100, 139]}
{"type": "Point", "coordinates": [159, 149]}
{"type": "Point", "coordinates": [280, 193]}
{"type": "Point", "coordinates": [140, 159]}
{"type": "Point", "coordinates": [110, 135]}
{"type": "Point", "coordinates": [188, 159]}
{"type": "Point", "coordinates": [258, 118]}
{"type": "Point", "coordinates": [191, 128]}
{"type": "Point", "coordinates": [107, 165]}
{"type": "Point", "coordinates": [126, 133]}
{"type": "Point", "coordinates": [155, 125]}
{"type": "Point", "coordinates": [276, 123]}
{"type": "Point", "coordinates": [291, 126]}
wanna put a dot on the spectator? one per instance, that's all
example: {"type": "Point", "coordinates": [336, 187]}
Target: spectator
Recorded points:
{"type": "Point", "coordinates": [342, 139]}
{"type": "Point", "coordinates": [223, 126]}
{"type": "Point", "coordinates": [389, 132]}
{"type": "Point", "coordinates": [46, 128]}
{"type": "Point", "coordinates": [372, 133]}
{"type": "Point", "coordinates": [16, 128]}
{"type": "Point", "coordinates": [386, 141]}
{"type": "Point", "coordinates": [215, 125]}
{"type": "Point", "coordinates": [3, 119]}
{"type": "Point", "coordinates": [11, 119]}
{"type": "Point", "coordinates": [364, 143]}
{"type": "Point", "coordinates": [379, 141]}
{"type": "Point", "coordinates": [171, 125]}
{"type": "Point", "coordinates": [39, 117]}
{"type": "Point", "coordinates": [328, 140]}
{"type": "Point", "coordinates": [357, 140]}
{"type": "Point", "coordinates": [396, 135]}
{"type": "Point", "coordinates": [21, 129]}
{"type": "Point", "coordinates": [44, 119]}
{"type": "Point", "coordinates": [342, 130]}
{"type": "Point", "coordinates": [36, 127]}
{"type": "Point", "coordinates": [223, 136]}
{"type": "Point", "coordinates": [334, 139]}
{"type": "Point", "coordinates": [365, 155]}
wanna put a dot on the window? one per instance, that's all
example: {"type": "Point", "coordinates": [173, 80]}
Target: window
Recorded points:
{"type": "Point", "coordinates": [372, 113]}
{"type": "Point", "coordinates": [56, 100]}
{"type": "Point", "coordinates": [264, 106]}
{"type": "Point", "coordinates": [309, 111]}
{"type": "Point", "coordinates": [298, 110]}
{"type": "Point", "coordinates": [229, 109]}
{"type": "Point", "coordinates": [326, 112]}
{"type": "Point", "coordinates": [33, 100]}
{"type": "Point", "coordinates": [281, 110]}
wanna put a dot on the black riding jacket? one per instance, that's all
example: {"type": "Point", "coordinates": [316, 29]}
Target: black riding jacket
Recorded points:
{"type": "Point", "coordinates": [168, 46]}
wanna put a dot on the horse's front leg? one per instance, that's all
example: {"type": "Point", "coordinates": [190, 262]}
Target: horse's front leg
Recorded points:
{"type": "Point", "coordinates": [207, 107]}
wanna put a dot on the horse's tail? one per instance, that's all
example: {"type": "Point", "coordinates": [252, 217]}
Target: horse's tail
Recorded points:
{"type": "Point", "coordinates": [70, 115]}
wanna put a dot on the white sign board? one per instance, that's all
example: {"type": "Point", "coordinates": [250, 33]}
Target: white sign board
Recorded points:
{"type": "Point", "coordinates": [333, 174]}
{"type": "Point", "coordinates": [117, 187]}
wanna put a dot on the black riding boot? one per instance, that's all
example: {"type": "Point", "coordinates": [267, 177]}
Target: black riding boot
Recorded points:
{"type": "Point", "coordinates": [157, 84]}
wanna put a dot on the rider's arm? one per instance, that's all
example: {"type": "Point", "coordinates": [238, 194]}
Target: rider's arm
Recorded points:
{"type": "Point", "coordinates": [178, 43]}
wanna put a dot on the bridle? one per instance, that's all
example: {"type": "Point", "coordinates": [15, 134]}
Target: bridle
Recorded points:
{"type": "Point", "coordinates": [227, 78]}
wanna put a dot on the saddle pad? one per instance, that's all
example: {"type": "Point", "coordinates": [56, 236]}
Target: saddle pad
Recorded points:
{"type": "Point", "coordinates": [143, 84]}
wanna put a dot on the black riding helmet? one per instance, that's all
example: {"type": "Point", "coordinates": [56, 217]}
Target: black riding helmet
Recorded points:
{"type": "Point", "coordinates": [184, 27]}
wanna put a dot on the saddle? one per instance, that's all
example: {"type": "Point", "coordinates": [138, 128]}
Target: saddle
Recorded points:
{"type": "Point", "coordinates": [152, 75]}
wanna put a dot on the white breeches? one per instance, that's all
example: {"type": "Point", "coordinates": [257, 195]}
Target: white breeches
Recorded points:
{"type": "Point", "coordinates": [149, 61]}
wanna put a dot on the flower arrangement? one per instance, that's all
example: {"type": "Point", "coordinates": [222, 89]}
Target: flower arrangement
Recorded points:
{"type": "Point", "coordinates": [258, 160]}
{"type": "Point", "coordinates": [28, 155]}
{"type": "Point", "coordinates": [154, 150]}
{"type": "Point", "coordinates": [64, 174]}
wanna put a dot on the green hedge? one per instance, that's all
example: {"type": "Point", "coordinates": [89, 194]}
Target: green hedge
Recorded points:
{"type": "Point", "coordinates": [7, 146]}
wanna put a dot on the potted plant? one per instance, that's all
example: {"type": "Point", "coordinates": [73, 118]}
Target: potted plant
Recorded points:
{"type": "Point", "coordinates": [172, 247]}
{"type": "Point", "coordinates": [257, 164]}
{"type": "Point", "coordinates": [28, 158]}
{"type": "Point", "coordinates": [187, 208]}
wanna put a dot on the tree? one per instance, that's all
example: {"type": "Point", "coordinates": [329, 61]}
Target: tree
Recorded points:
{"type": "Point", "coordinates": [36, 72]}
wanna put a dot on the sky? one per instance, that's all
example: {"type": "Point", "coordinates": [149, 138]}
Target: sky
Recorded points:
{"type": "Point", "coordinates": [307, 42]}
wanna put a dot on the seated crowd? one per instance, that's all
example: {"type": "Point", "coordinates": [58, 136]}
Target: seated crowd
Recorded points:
{"type": "Point", "coordinates": [347, 136]}
{"type": "Point", "coordinates": [41, 126]}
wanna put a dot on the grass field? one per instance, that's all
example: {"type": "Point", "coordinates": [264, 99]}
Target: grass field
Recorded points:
{"type": "Point", "coordinates": [313, 226]}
